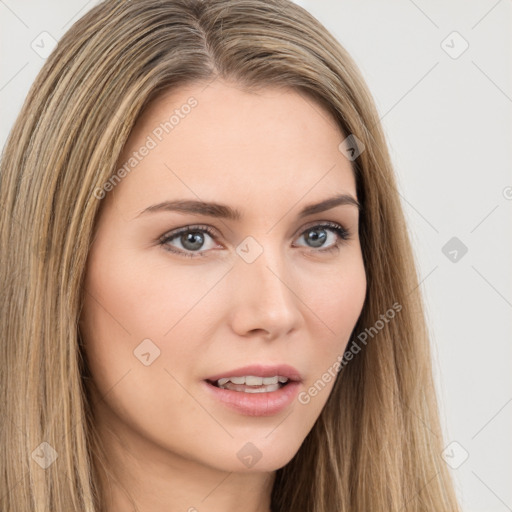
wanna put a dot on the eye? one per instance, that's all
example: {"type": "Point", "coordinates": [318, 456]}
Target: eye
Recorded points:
{"type": "Point", "coordinates": [191, 240]}
{"type": "Point", "coordinates": [318, 235]}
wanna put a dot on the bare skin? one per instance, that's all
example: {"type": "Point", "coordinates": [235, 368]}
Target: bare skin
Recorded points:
{"type": "Point", "coordinates": [172, 445]}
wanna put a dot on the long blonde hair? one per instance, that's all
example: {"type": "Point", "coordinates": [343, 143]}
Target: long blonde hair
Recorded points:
{"type": "Point", "coordinates": [377, 443]}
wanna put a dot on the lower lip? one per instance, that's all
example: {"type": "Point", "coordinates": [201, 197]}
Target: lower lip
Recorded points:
{"type": "Point", "coordinates": [256, 404]}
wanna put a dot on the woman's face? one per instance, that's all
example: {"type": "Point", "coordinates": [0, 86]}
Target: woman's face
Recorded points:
{"type": "Point", "coordinates": [261, 284]}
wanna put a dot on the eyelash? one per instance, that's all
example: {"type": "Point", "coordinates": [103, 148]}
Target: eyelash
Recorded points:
{"type": "Point", "coordinates": [342, 233]}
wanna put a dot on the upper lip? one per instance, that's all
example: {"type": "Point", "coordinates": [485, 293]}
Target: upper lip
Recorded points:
{"type": "Point", "coordinates": [260, 370]}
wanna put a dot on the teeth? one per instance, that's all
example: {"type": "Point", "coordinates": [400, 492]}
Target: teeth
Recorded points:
{"type": "Point", "coordinates": [263, 389]}
{"type": "Point", "coordinates": [250, 389]}
{"type": "Point", "coordinates": [252, 380]}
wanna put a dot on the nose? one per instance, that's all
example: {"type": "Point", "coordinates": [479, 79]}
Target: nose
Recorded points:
{"type": "Point", "coordinates": [265, 300]}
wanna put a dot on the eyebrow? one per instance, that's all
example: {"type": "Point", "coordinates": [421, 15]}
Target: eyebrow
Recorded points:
{"type": "Point", "coordinates": [226, 212]}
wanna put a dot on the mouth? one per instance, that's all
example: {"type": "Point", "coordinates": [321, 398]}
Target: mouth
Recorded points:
{"type": "Point", "coordinates": [251, 383]}
{"type": "Point", "coordinates": [256, 390]}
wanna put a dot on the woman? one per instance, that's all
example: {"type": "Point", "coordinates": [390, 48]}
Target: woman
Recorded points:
{"type": "Point", "coordinates": [198, 196]}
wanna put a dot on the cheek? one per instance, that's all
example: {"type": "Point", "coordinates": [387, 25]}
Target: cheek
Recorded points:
{"type": "Point", "coordinates": [119, 305]}
{"type": "Point", "coordinates": [337, 304]}
{"type": "Point", "coordinates": [337, 298]}
{"type": "Point", "coordinates": [130, 299]}
{"type": "Point", "coordinates": [128, 309]}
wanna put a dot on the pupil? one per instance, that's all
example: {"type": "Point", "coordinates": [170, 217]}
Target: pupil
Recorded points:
{"type": "Point", "coordinates": [317, 240]}
{"type": "Point", "coordinates": [192, 241]}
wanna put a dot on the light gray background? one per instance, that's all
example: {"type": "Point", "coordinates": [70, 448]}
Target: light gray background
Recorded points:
{"type": "Point", "coordinates": [447, 118]}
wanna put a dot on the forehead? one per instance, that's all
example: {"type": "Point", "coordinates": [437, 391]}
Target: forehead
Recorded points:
{"type": "Point", "coordinates": [220, 142]}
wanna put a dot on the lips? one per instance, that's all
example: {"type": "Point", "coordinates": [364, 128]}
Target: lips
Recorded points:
{"type": "Point", "coordinates": [249, 397]}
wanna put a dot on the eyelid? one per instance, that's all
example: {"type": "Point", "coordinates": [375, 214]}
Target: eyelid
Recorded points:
{"type": "Point", "coordinates": [215, 232]}
{"type": "Point", "coordinates": [190, 227]}
{"type": "Point", "coordinates": [314, 223]}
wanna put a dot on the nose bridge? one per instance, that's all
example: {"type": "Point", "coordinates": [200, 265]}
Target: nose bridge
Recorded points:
{"type": "Point", "coordinates": [265, 296]}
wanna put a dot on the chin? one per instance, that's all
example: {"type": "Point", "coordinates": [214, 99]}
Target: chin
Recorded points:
{"type": "Point", "coordinates": [256, 455]}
